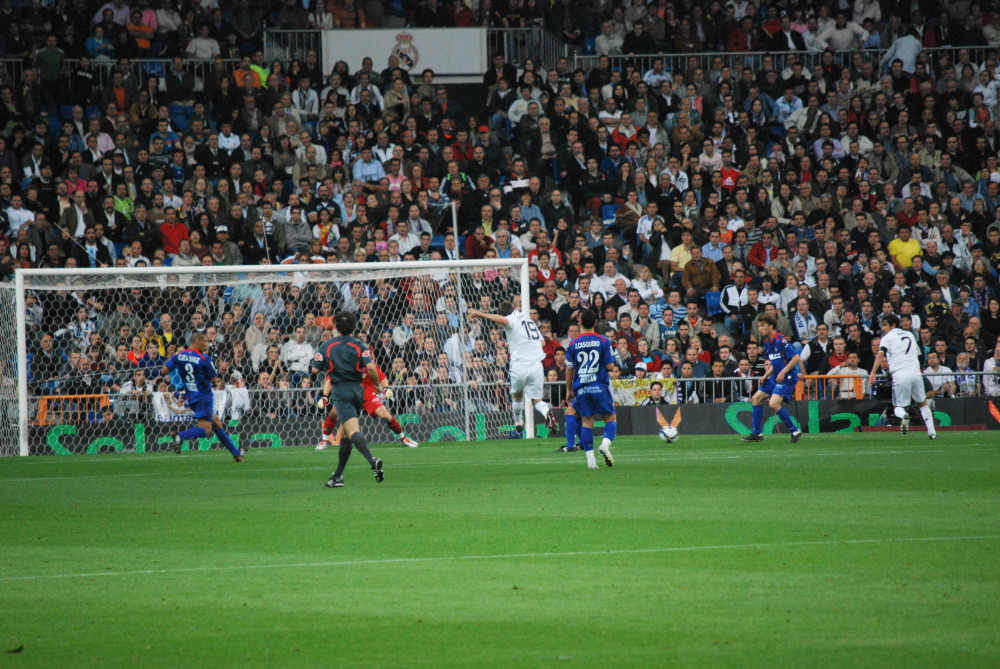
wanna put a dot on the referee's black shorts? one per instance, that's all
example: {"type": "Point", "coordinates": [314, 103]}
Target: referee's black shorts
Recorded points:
{"type": "Point", "coordinates": [347, 398]}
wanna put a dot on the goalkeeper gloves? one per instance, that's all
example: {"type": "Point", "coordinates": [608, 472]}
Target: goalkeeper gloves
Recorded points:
{"type": "Point", "coordinates": [322, 402]}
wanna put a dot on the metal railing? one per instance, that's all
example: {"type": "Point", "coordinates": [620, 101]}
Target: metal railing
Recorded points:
{"type": "Point", "coordinates": [517, 44]}
{"type": "Point", "coordinates": [286, 45]}
{"type": "Point", "coordinates": [830, 386]}
{"type": "Point", "coordinates": [809, 387]}
{"type": "Point", "coordinates": [710, 60]}
{"type": "Point", "coordinates": [199, 69]}
{"type": "Point", "coordinates": [491, 395]}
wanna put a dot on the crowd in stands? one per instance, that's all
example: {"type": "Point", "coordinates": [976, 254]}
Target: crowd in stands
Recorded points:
{"type": "Point", "coordinates": [678, 204]}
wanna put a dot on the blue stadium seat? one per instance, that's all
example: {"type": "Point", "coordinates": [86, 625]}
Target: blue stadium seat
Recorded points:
{"type": "Point", "coordinates": [608, 213]}
{"type": "Point", "coordinates": [713, 303]}
{"type": "Point", "coordinates": [66, 112]}
{"type": "Point", "coordinates": [437, 240]}
{"type": "Point", "coordinates": [152, 68]}
{"type": "Point", "coordinates": [178, 116]}
{"type": "Point", "coordinates": [590, 46]}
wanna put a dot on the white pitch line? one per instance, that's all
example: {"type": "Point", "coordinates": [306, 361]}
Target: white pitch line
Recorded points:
{"type": "Point", "coordinates": [159, 457]}
{"type": "Point", "coordinates": [534, 461]}
{"type": "Point", "coordinates": [502, 556]}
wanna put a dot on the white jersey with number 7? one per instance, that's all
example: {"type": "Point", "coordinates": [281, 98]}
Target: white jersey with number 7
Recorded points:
{"type": "Point", "coordinates": [901, 350]}
{"type": "Point", "coordinates": [523, 339]}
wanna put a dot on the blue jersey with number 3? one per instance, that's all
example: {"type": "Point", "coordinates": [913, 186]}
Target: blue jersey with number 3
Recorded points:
{"type": "Point", "coordinates": [589, 355]}
{"type": "Point", "coordinates": [196, 373]}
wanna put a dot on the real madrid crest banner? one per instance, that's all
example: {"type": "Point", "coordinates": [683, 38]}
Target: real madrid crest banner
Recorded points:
{"type": "Point", "coordinates": [450, 52]}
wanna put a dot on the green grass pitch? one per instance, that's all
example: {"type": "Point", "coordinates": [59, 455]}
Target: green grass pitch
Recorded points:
{"type": "Point", "coordinates": [842, 551]}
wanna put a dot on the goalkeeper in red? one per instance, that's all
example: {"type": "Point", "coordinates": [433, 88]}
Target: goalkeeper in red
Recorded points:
{"type": "Point", "coordinates": [346, 360]}
{"type": "Point", "coordinates": [197, 375]}
{"type": "Point", "coordinates": [373, 407]}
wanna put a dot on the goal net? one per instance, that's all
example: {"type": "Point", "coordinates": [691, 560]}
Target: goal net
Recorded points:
{"type": "Point", "coordinates": [81, 372]}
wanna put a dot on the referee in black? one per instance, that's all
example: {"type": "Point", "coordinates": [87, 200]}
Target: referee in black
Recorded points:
{"type": "Point", "coordinates": [345, 360]}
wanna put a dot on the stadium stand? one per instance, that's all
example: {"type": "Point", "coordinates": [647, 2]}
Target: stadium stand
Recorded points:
{"type": "Point", "coordinates": [843, 161]}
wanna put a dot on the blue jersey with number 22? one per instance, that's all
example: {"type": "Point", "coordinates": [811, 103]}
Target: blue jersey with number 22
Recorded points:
{"type": "Point", "coordinates": [589, 355]}
{"type": "Point", "coordinates": [196, 373]}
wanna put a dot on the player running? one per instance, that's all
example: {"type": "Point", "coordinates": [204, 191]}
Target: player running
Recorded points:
{"type": "Point", "coordinates": [900, 348]}
{"type": "Point", "coordinates": [526, 372]}
{"type": "Point", "coordinates": [345, 360]}
{"type": "Point", "coordinates": [197, 374]}
{"type": "Point", "coordinates": [781, 374]}
{"type": "Point", "coordinates": [588, 388]}
{"type": "Point", "coordinates": [373, 407]}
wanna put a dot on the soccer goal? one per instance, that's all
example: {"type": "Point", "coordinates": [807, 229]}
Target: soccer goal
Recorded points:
{"type": "Point", "coordinates": [80, 364]}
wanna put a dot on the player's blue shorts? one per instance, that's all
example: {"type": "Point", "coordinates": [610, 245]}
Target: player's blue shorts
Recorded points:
{"type": "Point", "coordinates": [202, 406]}
{"type": "Point", "coordinates": [786, 389]}
{"type": "Point", "coordinates": [594, 400]}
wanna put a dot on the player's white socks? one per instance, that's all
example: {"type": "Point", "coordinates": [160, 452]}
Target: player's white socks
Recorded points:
{"type": "Point", "coordinates": [518, 407]}
{"type": "Point", "coordinates": [928, 416]}
{"type": "Point", "coordinates": [591, 460]}
{"type": "Point", "coordinates": [605, 443]}
{"type": "Point", "coordinates": [900, 413]}
{"type": "Point", "coordinates": [543, 408]}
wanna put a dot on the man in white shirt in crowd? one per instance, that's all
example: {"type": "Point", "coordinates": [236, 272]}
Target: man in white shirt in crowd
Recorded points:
{"type": "Point", "coordinates": [297, 353]}
{"type": "Point", "coordinates": [851, 369]}
{"type": "Point", "coordinates": [991, 380]}
{"type": "Point", "coordinates": [939, 376]}
{"type": "Point", "coordinates": [406, 239]}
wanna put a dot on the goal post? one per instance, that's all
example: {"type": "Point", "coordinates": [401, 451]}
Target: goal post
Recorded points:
{"type": "Point", "coordinates": [82, 363]}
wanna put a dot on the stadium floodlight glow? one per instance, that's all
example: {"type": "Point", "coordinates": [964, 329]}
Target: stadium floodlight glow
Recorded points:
{"type": "Point", "coordinates": [28, 403]}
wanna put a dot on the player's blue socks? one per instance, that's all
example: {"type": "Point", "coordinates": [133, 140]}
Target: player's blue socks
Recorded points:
{"type": "Point", "coordinates": [572, 426]}
{"type": "Point", "coordinates": [786, 419]}
{"type": "Point", "coordinates": [758, 419]}
{"type": "Point", "coordinates": [587, 438]}
{"type": "Point", "coordinates": [226, 441]}
{"type": "Point", "coordinates": [610, 429]}
{"type": "Point", "coordinates": [193, 433]}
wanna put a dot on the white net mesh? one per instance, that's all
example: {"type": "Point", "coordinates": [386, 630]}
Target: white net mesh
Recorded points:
{"type": "Point", "coordinates": [96, 343]}
{"type": "Point", "coordinates": [9, 441]}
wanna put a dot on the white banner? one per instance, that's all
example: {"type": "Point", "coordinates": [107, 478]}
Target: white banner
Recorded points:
{"type": "Point", "coordinates": [447, 51]}
{"type": "Point", "coordinates": [172, 407]}
{"type": "Point", "coordinates": [633, 392]}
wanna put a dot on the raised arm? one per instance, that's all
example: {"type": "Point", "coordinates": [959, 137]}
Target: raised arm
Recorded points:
{"type": "Point", "coordinates": [496, 318]}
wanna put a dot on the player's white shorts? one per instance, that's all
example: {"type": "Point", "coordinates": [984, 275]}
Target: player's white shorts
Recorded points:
{"type": "Point", "coordinates": [907, 389]}
{"type": "Point", "coordinates": [528, 379]}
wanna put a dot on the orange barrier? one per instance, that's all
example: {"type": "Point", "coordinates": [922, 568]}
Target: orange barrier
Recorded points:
{"type": "Point", "coordinates": [63, 409]}
{"type": "Point", "coordinates": [809, 385]}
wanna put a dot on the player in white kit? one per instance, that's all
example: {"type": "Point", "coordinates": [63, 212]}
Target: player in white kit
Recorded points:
{"type": "Point", "coordinates": [901, 349]}
{"type": "Point", "coordinates": [527, 376]}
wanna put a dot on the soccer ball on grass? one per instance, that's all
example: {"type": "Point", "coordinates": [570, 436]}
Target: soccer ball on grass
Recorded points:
{"type": "Point", "coordinates": [669, 434]}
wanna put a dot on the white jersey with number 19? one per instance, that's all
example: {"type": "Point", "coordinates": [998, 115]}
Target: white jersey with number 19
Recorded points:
{"type": "Point", "coordinates": [901, 350]}
{"type": "Point", "coordinates": [523, 339]}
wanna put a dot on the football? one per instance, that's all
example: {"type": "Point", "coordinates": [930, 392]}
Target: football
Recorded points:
{"type": "Point", "coordinates": [669, 433]}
